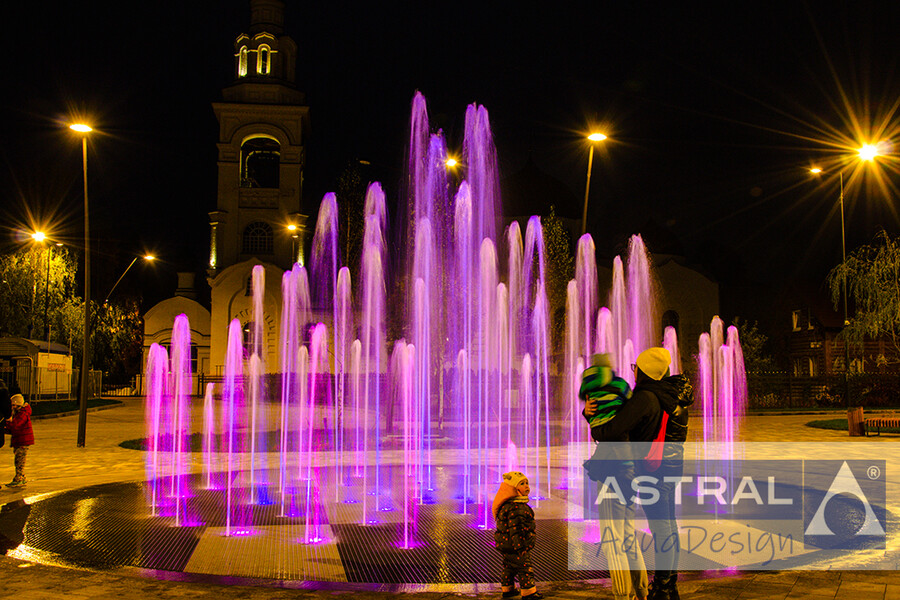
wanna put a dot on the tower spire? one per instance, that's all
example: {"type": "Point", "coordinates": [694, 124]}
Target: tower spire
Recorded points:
{"type": "Point", "coordinates": [267, 16]}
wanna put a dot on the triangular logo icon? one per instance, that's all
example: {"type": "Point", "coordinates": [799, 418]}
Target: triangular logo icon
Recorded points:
{"type": "Point", "coordinates": [844, 483]}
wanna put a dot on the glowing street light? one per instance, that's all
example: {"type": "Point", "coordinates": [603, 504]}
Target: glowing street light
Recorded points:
{"type": "Point", "coordinates": [451, 162]}
{"type": "Point", "coordinates": [594, 137]}
{"type": "Point", "coordinates": [867, 152]}
{"type": "Point", "coordinates": [147, 257]}
{"type": "Point", "coordinates": [84, 130]}
{"type": "Point", "coordinates": [40, 237]}
{"type": "Point", "coordinates": [294, 237]}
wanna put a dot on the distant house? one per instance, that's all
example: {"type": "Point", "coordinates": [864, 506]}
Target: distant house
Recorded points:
{"type": "Point", "coordinates": [815, 349]}
{"type": "Point", "coordinates": [41, 370]}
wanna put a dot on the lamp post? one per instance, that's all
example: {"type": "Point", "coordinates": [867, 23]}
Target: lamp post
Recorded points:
{"type": "Point", "coordinates": [292, 229]}
{"type": "Point", "coordinates": [86, 350]}
{"type": "Point", "coordinates": [594, 137]}
{"type": "Point", "coordinates": [867, 152]}
{"type": "Point", "coordinates": [125, 272]}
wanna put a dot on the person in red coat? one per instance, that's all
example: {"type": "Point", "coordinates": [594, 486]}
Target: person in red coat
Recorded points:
{"type": "Point", "coordinates": [19, 427]}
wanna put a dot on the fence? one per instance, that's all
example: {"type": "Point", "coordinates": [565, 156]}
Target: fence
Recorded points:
{"type": "Point", "coordinates": [39, 383]}
{"type": "Point", "coordinates": [783, 390]}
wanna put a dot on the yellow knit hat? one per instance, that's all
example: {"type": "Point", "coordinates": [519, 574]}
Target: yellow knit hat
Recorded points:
{"type": "Point", "coordinates": [514, 478]}
{"type": "Point", "coordinates": [654, 362]}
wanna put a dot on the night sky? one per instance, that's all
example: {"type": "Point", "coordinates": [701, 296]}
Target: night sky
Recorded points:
{"type": "Point", "coordinates": [714, 111]}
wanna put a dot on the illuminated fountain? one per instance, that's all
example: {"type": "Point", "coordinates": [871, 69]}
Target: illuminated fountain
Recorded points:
{"type": "Point", "coordinates": [348, 425]}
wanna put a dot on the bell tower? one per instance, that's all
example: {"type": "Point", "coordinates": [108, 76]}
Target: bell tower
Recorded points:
{"type": "Point", "coordinates": [259, 217]}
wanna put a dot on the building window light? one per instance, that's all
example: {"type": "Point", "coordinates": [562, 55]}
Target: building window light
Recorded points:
{"type": "Point", "coordinates": [264, 60]}
{"type": "Point", "coordinates": [242, 62]}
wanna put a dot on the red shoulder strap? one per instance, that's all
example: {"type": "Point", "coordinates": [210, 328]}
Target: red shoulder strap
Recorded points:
{"type": "Point", "coordinates": [654, 457]}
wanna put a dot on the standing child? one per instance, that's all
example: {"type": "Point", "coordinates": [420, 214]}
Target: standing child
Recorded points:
{"type": "Point", "coordinates": [515, 536]}
{"type": "Point", "coordinates": [19, 427]}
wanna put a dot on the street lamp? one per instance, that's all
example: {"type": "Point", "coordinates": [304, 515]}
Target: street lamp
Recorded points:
{"type": "Point", "coordinates": [594, 137]}
{"type": "Point", "coordinates": [84, 130]}
{"type": "Point", "coordinates": [40, 236]}
{"type": "Point", "coordinates": [867, 152]}
{"type": "Point", "coordinates": [147, 257]}
{"type": "Point", "coordinates": [294, 236]}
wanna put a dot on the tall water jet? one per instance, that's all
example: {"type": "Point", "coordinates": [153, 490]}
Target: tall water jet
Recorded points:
{"type": "Point", "coordinates": [516, 293]}
{"type": "Point", "coordinates": [480, 158]}
{"type": "Point", "coordinates": [208, 444]}
{"type": "Point", "coordinates": [257, 370]}
{"type": "Point", "coordinates": [604, 341]}
{"type": "Point", "coordinates": [326, 254]}
{"type": "Point", "coordinates": [618, 316]}
{"type": "Point", "coordinates": [290, 344]}
{"type": "Point", "coordinates": [723, 385]}
{"type": "Point", "coordinates": [318, 369]}
{"type": "Point", "coordinates": [181, 414]}
{"type": "Point", "coordinates": [157, 374]}
{"type": "Point", "coordinates": [487, 362]}
{"type": "Point", "coordinates": [237, 513]}
{"type": "Point", "coordinates": [670, 343]}
{"type": "Point", "coordinates": [586, 276]}
{"type": "Point", "coordinates": [406, 359]}
{"type": "Point", "coordinates": [573, 327]}
{"type": "Point", "coordinates": [372, 327]}
{"type": "Point", "coordinates": [465, 307]}
{"type": "Point", "coordinates": [541, 328]}
{"type": "Point", "coordinates": [343, 332]}
{"type": "Point", "coordinates": [642, 319]}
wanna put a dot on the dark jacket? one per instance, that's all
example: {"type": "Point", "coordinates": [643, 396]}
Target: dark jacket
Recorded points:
{"type": "Point", "coordinates": [640, 418]}
{"type": "Point", "coordinates": [674, 394]}
{"type": "Point", "coordinates": [19, 427]}
{"type": "Point", "coordinates": [515, 528]}
{"type": "Point", "coordinates": [636, 421]}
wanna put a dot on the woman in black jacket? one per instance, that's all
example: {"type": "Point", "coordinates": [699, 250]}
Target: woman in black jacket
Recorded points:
{"type": "Point", "coordinates": [657, 398]}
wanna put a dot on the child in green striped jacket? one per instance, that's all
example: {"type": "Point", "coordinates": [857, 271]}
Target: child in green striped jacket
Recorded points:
{"type": "Point", "coordinates": [599, 384]}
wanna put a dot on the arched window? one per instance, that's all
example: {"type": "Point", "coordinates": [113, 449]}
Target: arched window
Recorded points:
{"type": "Point", "coordinates": [263, 60]}
{"type": "Point", "coordinates": [260, 162]}
{"type": "Point", "coordinates": [242, 62]}
{"type": "Point", "coordinates": [258, 238]}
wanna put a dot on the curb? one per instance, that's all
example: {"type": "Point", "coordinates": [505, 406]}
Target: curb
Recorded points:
{"type": "Point", "coordinates": [75, 412]}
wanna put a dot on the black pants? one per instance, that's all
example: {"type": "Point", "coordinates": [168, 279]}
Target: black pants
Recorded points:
{"type": "Point", "coordinates": [517, 566]}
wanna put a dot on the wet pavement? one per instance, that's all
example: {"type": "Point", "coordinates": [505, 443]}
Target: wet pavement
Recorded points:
{"type": "Point", "coordinates": [55, 465]}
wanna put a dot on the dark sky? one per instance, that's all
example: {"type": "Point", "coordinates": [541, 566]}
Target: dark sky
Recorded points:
{"type": "Point", "coordinates": [714, 113]}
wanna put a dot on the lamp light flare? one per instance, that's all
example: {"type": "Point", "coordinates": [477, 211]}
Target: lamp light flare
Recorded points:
{"type": "Point", "coordinates": [149, 257]}
{"type": "Point", "coordinates": [451, 162]}
{"type": "Point", "coordinates": [292, 227]}
{"type": "Point", "coordinates": [596, 137]}
{"type": "Point", "coordinates": [815, 170]}
{"type": "Point", "coordinates": [38, 236]}
{"type": "Point", "coordinates": [80, 127]}
{"type": "Point", "coordinates": [868, 152]}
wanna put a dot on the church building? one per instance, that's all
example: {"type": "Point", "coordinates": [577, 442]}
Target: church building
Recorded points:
{"type": "Point", "coordinates": [259, 218]}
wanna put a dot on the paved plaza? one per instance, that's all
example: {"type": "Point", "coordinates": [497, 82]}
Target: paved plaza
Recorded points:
{"type": "Point", "coordinates": [55, 464]}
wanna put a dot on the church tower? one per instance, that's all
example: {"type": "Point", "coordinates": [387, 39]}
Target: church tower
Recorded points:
{"type": "Point", "coordinates": [259, 217]}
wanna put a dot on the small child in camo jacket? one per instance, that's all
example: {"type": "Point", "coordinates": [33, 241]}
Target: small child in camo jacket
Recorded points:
{"type": "Point", "coordinates": [515, 536]}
